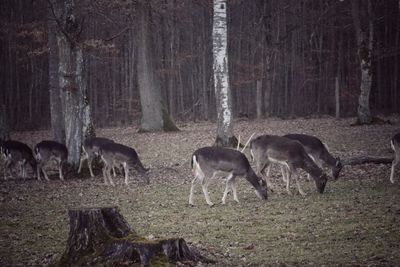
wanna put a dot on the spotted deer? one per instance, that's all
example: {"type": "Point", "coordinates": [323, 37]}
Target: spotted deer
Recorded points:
{"type": "Point", "coordinates": [114, 154]}
{"type": "Point", "coordinates": [395, 144]}
{"type": "Point", "coordinates": [208, 161]}
{"type": "Point", "coordinates": [47, 151]}
{"type": "Point", "coordinates": [15, 152]}
{"type": "Point", "coordinates": [267, 149]}
{"type": "Point", "coordinates": [90, 150]}
{"type": "Point", "coordinates": [318, 152]}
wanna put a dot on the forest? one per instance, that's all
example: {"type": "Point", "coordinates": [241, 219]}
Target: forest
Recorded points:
{"type": "Point", "coordinates": [124, 122]}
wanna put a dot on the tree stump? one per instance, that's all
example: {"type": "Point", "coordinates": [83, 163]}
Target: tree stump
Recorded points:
{"type": "Point", "coordinates": [102, 237]}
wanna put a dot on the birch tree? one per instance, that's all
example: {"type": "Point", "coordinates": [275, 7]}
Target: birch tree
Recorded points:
{"type": "Point", "coordinates": [221, 77]}
{"type": "Point", "coordinates": [363, 27]}
{"type": "Point", "coordinates": [72, 84]}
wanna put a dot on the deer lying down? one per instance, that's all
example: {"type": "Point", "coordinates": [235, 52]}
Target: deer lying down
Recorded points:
{"type": "Point", "coordinates": [15, 152]}
{"type": "Point", "coordinates": [46, 151]}
{"type": "Point", "coordinates": [208, 161]}
{"type": "Point", "coordinates": [269, 149]}
{"type": "Point", "coordinates": [395, 144]}
{"type": "Point", "coordinates": [90, 150]}
{"type": "Point", "coordinates": [116, 154]}
{"type": "Point", "coordinates": [318, 151]}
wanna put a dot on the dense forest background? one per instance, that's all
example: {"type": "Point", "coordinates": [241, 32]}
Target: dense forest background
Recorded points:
{"type": "Point", "coordinates": [286, 58]}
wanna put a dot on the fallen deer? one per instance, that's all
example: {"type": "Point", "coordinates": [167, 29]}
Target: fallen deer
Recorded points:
{"type": "Point", "coordinates": [395, 144]}
{"type": "Point", "coordinates": [90, 150]}
{"type": "Point", "coordinates": [46, 151]}
{"type": "Point", "coordinates": [114, 154]}
{"type": "Point", "coordinates": [267, 149]}
{"type": "Point", "coordinates": [318, 152]}
{"type": "Point", "coordinates": [15, 152]}
{"type": "Point", "coordinates": [208, 161]}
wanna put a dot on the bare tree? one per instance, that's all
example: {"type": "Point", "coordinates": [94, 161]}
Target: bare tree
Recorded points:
{"type": "Point", "coordinates": [154, 115]}
{"type": "Point", "coordinates": [363, 26]}
{"type": "Point", "coordinates": [221, 77]}
{"type": "Point", "coordinates": [72, 83]}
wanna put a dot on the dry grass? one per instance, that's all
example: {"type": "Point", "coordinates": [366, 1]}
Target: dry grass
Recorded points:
{"type": "Point", "coordinates": [355, 222]}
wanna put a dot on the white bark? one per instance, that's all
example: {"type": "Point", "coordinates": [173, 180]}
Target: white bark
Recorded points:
{"type": "Point", "coordinates": [221, 74]}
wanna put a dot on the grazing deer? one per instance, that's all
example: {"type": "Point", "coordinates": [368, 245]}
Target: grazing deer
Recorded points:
{"type": "Point", "coordinates": [395, 144]}
{"type": "Point", "coordinates": [318, 151]}
{"type": "Point", "coordinates": [50, 150]}
{"type": "Point", "coordinates": [90, 150]}
{"type": "Point", "coordinates": [267, 149]}
{"type": "Point", "coordinates": [15, 152]}
{"type": "Point", "coordinates": [116, 154]}
{"type": "Point", "coordinates": [208, 161]}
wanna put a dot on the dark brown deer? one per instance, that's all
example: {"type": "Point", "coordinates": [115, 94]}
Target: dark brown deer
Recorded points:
{"type": "Point", "coordinates": [114, 154]}
{"type": "Point", "coordinates": [267, 149]}
{"type": "Point", "coordinates": [395, 144]}
{"type": "Point", "coordinates": [208, 161]}
{"type": "Point", "coordinates": [15, 152]}
{"type": "Point", "coordinates": [90, 150]}
{"type": "Point", "coordinates": [319, 152]}
{"type": "Point", "coordinates": [46, 151]}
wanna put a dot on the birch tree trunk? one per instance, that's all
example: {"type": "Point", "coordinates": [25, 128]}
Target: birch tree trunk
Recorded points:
{"type": "Point", "coordinates": [72, 83]}
{"type": "Point", "coordinates": [221, 77]}
{"type": "Point", "coordinates": [154, 116]}
{"type": "Point", "coordinates": [364, 36]}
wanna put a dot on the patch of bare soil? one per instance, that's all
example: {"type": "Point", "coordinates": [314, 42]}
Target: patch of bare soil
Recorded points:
{"type": "Point", "coordinates": [355, 222]}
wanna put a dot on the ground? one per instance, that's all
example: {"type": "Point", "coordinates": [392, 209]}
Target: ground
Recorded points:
{"type": "Point", "coordinates": [356, 222]}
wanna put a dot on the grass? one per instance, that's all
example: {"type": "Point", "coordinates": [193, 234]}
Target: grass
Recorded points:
{"type": "Point", "coordinates": [356, 222]}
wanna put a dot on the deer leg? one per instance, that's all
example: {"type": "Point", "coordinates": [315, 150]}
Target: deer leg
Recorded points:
{"type": "Point", "coordinates": [109, 175]}
{"type": "Point", "coordinates": [41, 167]}
{"type": "Point", "coordinates": [194, 181]}
{"type": "Point", "coordinates": [90, 161]}
{"type": "Point", "coordinates": [60, 164]}
{"type": "Point", "coordinates": [83, 157]}
{"type": "Point", "coordinates": [296, 177]}
{"type": "Point", "coordinates": [126, 170]}
{"type": "Point", "coordinates": [227, 187]}
{"type": "Point", "coordinates": [233, 185]}
{"type": "Point", "coordinates": [289, 174]}
{"type": "Point", "coordinates": [394, 164]}
{"type": "Point", "coordinates": [105, 173]}
{"type": "Point", "coordinates": [204, 186]}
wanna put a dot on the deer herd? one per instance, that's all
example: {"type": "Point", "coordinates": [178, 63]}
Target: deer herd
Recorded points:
{"type": "Point", "coordinates": [291, 152]}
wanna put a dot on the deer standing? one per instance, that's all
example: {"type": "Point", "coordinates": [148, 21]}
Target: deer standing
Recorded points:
{"type": "Point", "coordinates": [267, 149]}
{"type": "Point", "coordinates": [395, 144]}
{"type": "Point", "coordinates": [90, 150]}
{"type": "Point", "coordinates": [15, 152]}
{"type": "Point", "coordinates": [46, 151]}
{"type": "Point", "coordinates": [208, 161]}
{"type": "Point", "coordinates": [319, 152]}
{"type": "Point", "coordinates": [117, 154]}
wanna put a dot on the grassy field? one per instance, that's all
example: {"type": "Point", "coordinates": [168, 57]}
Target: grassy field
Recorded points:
{"type": "Point", "coordinates": [356, 222]}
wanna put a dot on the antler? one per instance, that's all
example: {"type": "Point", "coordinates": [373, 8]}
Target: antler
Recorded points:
{"type": "Point", "coordinates": [248, 141]}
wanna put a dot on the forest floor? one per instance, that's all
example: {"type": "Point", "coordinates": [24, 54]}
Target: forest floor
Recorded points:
{"type": "Point", "coordinates": [356, 222]}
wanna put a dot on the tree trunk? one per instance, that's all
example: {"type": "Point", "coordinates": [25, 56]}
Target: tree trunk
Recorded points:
{"type": "Point", "coordinates": [364, 47]}
{"type": "Point", "coordinates": [75, 105]}
{"type": "Point", "coordinates": [154, 116]}
{"type": "Point", "coordinates": [221, 77]}
{"type": "Point", "coordinates": [57, 125]}
{"type": "Point", "coordinates": [102, 237]}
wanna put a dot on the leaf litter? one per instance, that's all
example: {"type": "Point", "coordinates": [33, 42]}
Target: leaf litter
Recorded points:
{"type": "Point", "coordinates": [355, 222]}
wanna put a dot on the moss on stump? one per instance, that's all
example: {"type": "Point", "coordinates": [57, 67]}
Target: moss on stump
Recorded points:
{"type": "Point", "coordinates": [102, 237]}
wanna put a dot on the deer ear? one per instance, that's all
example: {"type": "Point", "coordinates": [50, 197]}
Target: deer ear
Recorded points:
{"type": "Point", "coordinates": [337, 162]}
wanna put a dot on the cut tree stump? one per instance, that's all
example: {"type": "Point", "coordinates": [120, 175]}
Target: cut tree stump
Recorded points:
{"type": "Point", "coordinates": [102, 237]}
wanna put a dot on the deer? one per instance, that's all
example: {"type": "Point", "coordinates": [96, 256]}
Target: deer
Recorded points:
{"type": "Point", "coordinates": [207, 162]}
{"type": "Point", "coordinates": [15, 152]}
{"type": "Point", "coordinates": [267, 149]}
{"type": "Point", "coordinates": [46, 151]}
{"type": "Point", "coordinates": [117, 154]}
{"type": "Point", "coordinates": [395, 144]}
{"type": "Point", "coordinates": [319, 152]}
{"type": "Point", "coordinates": [90, 150]}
